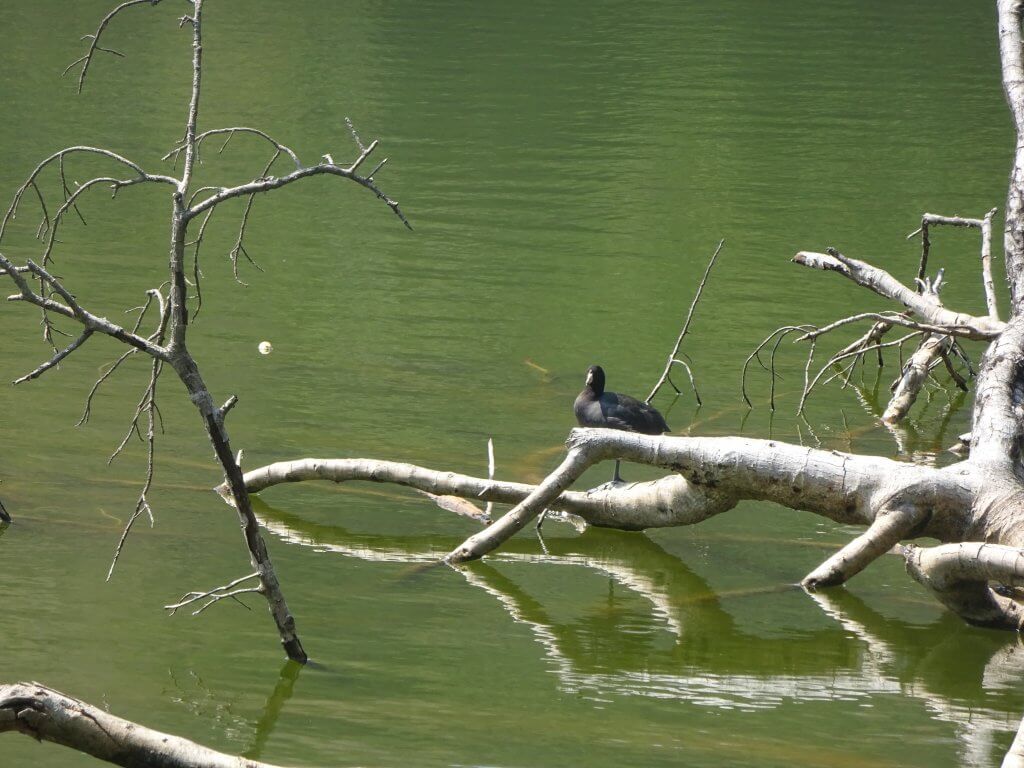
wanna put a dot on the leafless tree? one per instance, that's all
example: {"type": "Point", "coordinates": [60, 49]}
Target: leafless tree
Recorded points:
{"type": "Point", "coordinates": [169, 304]}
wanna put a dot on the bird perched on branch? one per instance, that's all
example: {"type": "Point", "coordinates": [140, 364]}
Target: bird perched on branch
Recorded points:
{"type": "Point", "coordinates": [596, 408]}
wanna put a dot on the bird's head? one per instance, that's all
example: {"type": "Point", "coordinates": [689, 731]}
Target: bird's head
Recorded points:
{"type": "Point", "coordinates": [595, 378]}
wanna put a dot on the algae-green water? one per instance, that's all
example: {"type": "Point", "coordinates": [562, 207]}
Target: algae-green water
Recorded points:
{"type": "Point", "coordinates": [568, 169]}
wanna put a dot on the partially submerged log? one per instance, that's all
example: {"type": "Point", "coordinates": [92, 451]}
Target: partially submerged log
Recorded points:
{"type": "Point", "coordinates": [48, 715]}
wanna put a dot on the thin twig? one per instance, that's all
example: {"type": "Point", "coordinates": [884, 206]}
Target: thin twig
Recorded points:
{"type": "Point", "coordinates": [809, 384]}
{"type": "Point", "coordinates": [892, 318]}
{"type": "Point", "coordinates": [94, 46]}
{"type": "Point", "coordinates": [756, 355]}
{"type": "Point", "coordinates": [142, 505]}
{"type": "Point", "coordinates": [55, 360]}
{"type": "Point", "coordinates": [239, 246]}
{"type": "Point", "coordinates": [217, 593]}
{"type": "Point", "coordinates": [672, 358]}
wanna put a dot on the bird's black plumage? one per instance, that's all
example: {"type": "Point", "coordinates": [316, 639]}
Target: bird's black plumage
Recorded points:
{"type": "Point", "coordinates": [596, 408]}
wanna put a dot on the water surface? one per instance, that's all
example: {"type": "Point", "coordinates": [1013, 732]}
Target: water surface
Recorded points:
{"type": "Point", "coordinates": [568, 172]}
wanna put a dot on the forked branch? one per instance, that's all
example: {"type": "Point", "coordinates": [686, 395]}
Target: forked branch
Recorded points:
{"type": "Point", "coordinates": [94, 40]}
{"type": "Point", "coordinates": [227, 591]}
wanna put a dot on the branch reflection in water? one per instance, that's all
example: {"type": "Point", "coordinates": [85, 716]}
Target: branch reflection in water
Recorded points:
{"type": "Point", "coordinates": [700, 652]}
{"type": "Point", "coordinates": [198, 698]}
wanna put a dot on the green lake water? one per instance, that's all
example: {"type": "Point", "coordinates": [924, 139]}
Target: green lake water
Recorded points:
{"type": "Point", "coordinates": [568, 169]}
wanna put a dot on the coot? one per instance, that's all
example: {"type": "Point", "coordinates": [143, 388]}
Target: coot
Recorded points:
{"type": "Point", "coordinates": [596, 408]}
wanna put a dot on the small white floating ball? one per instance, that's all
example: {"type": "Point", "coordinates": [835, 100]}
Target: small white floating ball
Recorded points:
{"type": "Point", "coordinates": [266, 347]}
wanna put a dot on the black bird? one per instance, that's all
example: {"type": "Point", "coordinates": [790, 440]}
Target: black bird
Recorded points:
{"type": "Point", "coordinates": [596, 408]}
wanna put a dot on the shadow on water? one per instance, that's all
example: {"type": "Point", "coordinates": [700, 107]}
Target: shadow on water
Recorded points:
{"type": "Point", "coordinates": [689, 642]}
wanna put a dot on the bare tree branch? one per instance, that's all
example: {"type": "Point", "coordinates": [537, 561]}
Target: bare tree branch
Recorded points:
{"type": "Point", "coordinates": [884, 284]}
{"type": "Point", "coordinates": [778, 335]}
{"type": "Point", "coordinates": [148, 406]}
{"type": "Point", "coordinates": [985, 226]}
{"type": "Point", "coordinates": [888, 318]}
{"type": "Point", "coordinates": [811, 383]}
{"type": "Point", "coordinates": [55, 360]}
{"type": "Point", "coordinates": [672, 357]}
{"type": "Point", "coordinates": [278, 146]}
{"type": "Point", "coordinates": [276, 182]}
{"type": "Point", "coordinates": [73, 310]}
{"type": "Point", "coordinates": [931, 352]}
{"type": "Point", "coordinates": [59, 158]}
{"type": "Point", "coordinates": [151, 295]}
{"type": "Point", "coordinates": [94, 39]}
{"type": "Point", "coordinates": [215, 595]}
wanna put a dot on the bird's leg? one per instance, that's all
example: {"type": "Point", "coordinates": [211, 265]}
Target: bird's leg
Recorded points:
{"type": "Point", "coordinates": [616, 478]}
{"type": "Point", "coordinates": [540, 520]}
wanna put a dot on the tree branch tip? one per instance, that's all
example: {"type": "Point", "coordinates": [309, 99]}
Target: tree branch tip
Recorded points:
{"type": "Point", "coordinates": [223, 411]}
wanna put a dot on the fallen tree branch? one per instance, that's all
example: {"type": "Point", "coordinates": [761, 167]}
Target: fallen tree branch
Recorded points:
{"type": "Point", "coordinates": [884, 284]}
{"type": "Point", "coordinates": [711, 475]}
{"type": "Point", "coordinates": [1014, 758]}
{"type": "Point", "coordinates": [959, 575]}
{"type": "Point", "coordinates": [49, 715]}
{"type": "Point", "coordinates": [639, 505]}
{"type": "Point", "coordinates": [1011, 55]}
{"type": "Point", "coordinates": [847, 488]}
{"type": "Point", "coordinates": [997, 429]}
